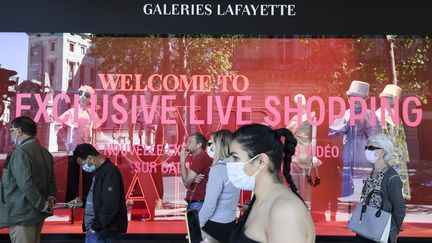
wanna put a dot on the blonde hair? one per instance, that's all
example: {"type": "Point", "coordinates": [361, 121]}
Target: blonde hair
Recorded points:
{"type": "Point", "coordinates": [221, 143]}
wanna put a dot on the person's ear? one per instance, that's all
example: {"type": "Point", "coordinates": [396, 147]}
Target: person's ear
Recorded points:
{"type": "Point", "coordinates": [383, 153]}
{"type": "Point", "coordinates": [19, 131]}
{"type": "Point", "coordinates": [263, 160]}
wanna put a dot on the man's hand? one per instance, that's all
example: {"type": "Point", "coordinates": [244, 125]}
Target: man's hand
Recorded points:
{"type": "Point", "coordinates": [47, 208]}
{"type": "Point", "coordinates": [199, 178]}
{"type": "Point", "coordinates": [184, 153]}
{"type": "Point", "coordinates": [244, 207]}
{"type": "Point", "coordinates": [76, 203]}
{"type": "Point", "coordinates": [92, 231]}
{"type": "Point", "coordinates": [51, 203]}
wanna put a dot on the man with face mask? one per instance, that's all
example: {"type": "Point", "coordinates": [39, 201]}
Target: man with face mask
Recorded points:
{"type": "Point", "coordinates": [200, 166]}
{"type": "Point", "coordinates": [105, 210]}
{"type": "Point", "coordinates": [355, 166]}
{"type": "Point", "coordinates": [79, 130]}
{"type": "Point", "coordinates": [28, 185]}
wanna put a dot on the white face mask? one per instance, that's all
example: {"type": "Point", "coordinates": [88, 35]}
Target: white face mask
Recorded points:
{"type": "Point", "coordinates": [371, 157]}
{"type": "Point", "coordinates": [88, 168]}
{"type": "Point", "coordinates": [238, 176]}
{"type": "Point", "coordinates": [210, 152]}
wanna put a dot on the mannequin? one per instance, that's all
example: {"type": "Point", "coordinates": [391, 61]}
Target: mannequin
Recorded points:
{"type": "Point", "coordinates": [396, 133]}
{"type": "Point", "coordinates": [355, 166]}
{"type": "Point", "coordinates": [305, 157]}
{"type": "Point", "coordinates": [79, 131]}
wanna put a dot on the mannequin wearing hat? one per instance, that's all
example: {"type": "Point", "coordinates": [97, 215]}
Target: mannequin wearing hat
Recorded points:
{"type": "Point", "coordinates": [355, 137]}
{"type": "Point", "coordinates": [397, 136]}
{"type": "Point", "coordinates": [78, 131]}
{"type": "Point", "coordinates": [304, 159]}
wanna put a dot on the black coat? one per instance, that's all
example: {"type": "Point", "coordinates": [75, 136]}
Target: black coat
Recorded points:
{"type": "Point", "coordinates": [109, 201]}
{"type": "Point", "coordinates": [393, 200]}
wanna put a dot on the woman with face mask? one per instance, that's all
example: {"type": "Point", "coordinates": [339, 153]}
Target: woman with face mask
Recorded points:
{"type": "Point", "coordinates": [276, 213]}
{"type": "Point", "coordinates": [218, 213]}
{"type": "Point", "coordinates": [383, 178]}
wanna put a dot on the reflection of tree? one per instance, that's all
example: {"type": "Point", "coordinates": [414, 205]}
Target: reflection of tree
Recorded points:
{"type": "Point", "coordinates": [369, 59]}
{"type": "Point", "coordinates": [187, 55]}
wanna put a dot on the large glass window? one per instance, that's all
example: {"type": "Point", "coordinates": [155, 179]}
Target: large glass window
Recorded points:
{"type": "Point", "coordinates": [152, 93]}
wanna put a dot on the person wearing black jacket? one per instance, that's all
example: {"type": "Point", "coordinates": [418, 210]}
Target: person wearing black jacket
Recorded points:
{"type": "Point", "coordinates": [105, 212]}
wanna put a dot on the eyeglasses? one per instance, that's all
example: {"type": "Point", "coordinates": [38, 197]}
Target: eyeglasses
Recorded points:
{"type": "Point", "coordinates": [372, 148]}
{"type": "Point", "coordinates": [86, 94]}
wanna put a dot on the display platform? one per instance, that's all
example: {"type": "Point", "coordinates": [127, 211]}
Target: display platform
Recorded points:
{"type": "Point", "coordinates": [175, 231]}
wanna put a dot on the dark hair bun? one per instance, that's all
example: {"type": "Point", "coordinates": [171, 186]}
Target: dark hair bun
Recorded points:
{"type": "Point", "coordinates": [290, 141]}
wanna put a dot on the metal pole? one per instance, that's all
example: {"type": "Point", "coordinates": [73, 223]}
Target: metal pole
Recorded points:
{"type": "Point", "coordinates": [392, 59]}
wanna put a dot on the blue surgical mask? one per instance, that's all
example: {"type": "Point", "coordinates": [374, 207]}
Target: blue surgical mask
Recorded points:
{"type": "Point", "coordinates": [238, 176]}
{"type": "Point", "coordinates": [88, 168]}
